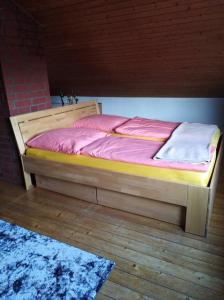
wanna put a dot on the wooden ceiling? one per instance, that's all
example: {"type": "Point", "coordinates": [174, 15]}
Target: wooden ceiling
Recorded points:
{"type": "Point", "coordinates": [133, 48]}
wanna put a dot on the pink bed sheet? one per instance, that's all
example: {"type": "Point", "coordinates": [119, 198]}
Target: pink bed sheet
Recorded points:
{"type": "Point", "coordinates": [135, 151]}
{"type": "Point", "coordinates": [147, 127]}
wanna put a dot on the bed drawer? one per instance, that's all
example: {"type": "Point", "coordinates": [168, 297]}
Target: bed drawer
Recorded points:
{"type": "Point", "coordinates": [142, 206]}
{"type": "Point", "coordinates": [72, 189]}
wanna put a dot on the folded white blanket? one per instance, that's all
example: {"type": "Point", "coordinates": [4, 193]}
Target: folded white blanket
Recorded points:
{"type": "Point", "coordinates": [190, 142]}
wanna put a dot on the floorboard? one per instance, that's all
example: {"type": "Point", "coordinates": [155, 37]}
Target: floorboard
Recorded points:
{"type": "Point", "coordinates": [154, 260]}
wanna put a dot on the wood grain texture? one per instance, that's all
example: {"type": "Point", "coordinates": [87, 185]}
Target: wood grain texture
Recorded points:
{"type": "Point", "coordinates": [75, 190]}
{"type": "Point", "coordinates": [171, 192]}
{"type": "Point", "coordinates": [154, 259]}
{"type": "Point", "coordinates": [214, 182]}
{"type": "Point", "coordinates": [26, 126]}
{"type": "Point", "coordinates": [142, 206]}
{"type": "Point", "coordinates": [197, 210]}
{"type": "Point", "coordinates": [133, 48]}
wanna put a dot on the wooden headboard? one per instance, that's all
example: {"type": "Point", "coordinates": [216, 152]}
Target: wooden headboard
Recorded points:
{"type": "Point", "coordinates": [28, 125]}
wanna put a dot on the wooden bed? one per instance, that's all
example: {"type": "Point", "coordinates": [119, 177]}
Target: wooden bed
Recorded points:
{"type": "Point", "coordinates": [187, 205]}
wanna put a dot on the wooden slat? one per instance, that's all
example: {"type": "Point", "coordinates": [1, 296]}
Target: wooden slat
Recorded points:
{"type": "Point", "coordinates": [117, 291]}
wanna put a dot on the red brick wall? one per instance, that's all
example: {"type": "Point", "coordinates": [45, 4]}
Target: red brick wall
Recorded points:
{"type": "Point", "coordinates": [24, 82]}
{"type": "Point", "coordinates": [10, 168]}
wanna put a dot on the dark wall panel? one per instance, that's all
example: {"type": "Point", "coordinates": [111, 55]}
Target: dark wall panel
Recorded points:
{"type": "Point", "coordinates": [133, 48]}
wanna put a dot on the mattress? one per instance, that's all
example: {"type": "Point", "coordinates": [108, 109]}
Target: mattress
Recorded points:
{"type": "Point", "coordinates": [138, 152]}
{"type": "Point", "coordinates": [174, 175]}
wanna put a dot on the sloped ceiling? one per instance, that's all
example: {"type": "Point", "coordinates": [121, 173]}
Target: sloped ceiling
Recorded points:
{"type": "Point", "coordinates": [133, 48]}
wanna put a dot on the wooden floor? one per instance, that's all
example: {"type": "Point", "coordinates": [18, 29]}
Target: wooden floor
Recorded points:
{"type": "Point", "coordinates": [154, 260]}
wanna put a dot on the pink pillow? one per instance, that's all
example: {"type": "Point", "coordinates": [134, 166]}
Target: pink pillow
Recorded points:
{"type": "Point", "coordinates": [101, 122]}
{"type": "Point", "coordinates": [147, 128]}
{"type": "Point", "coordinates": [66, 140]}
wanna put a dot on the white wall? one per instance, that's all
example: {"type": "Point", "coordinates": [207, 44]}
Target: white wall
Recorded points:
{"type": "Point", "coordinates": [204, 110]}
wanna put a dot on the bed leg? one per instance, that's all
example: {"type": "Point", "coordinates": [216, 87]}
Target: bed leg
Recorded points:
{"type": "Point", "coordinates": [28, 182]}
{"type": "Point", "coordinates": [27, 178]}
{"type": "Point", "coordinates": [197, 210]}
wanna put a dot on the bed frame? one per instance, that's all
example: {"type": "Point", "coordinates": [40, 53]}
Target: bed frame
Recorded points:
{"type": "Point", "coordinates": [189, 206]}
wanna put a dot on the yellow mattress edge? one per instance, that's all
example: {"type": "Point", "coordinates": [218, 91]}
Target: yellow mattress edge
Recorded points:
{"type": "Point", "coordinates": [174, 175]}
